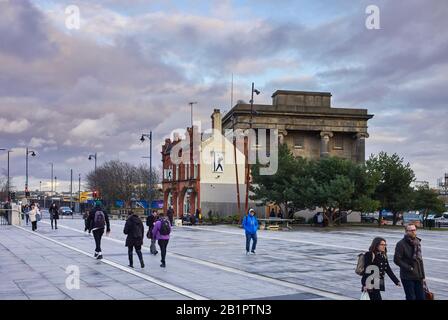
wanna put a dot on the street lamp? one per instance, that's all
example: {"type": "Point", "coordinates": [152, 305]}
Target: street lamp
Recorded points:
{"type": "Point", "coordinates": [94, 156]}
{"type": "Point", "coordinates": [142, 139]}
{"type": "Point", "coordinates": [191, 113]}
{"type": "Point", "coordinates": [246, 147]}
{"type": "Point", "coordinates": [33, 154]}
{"type": "Point", "coordinates": [8, 179]}
{"type": "Point", "coordinates": [51, 163]}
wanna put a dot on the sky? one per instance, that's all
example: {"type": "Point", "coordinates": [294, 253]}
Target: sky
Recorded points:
{"type": "Point", "coordinates": [133, 66]}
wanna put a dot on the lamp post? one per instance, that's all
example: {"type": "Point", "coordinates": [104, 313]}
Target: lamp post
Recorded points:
{"type": "Point", "coordinates": [94, 156]}
{"type": "Point", "coordinates": [33, 154]}
{"type": "Point", "coordinates": [8, 178]}
{"type": "Point", "coordinates": [51, 163]}
{"type": "Point", "coordinates": [246, 147]}
{"type": "Point", "coordinates": [142, 139]}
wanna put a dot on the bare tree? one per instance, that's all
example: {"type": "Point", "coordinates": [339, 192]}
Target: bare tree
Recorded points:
{"type": "Point", "coordinates": [116, 180]}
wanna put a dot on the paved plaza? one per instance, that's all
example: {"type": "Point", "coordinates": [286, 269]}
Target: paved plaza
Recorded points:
{"type": "Point", "coordinates": [203, 262]}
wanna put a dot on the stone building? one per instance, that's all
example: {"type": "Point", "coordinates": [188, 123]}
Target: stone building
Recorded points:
{"type": "Point", "coordinates": [307, 123]}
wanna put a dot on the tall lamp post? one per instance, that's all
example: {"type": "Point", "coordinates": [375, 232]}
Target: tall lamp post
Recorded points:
{"type": "Point", "coordinates": [8, 178]}
{"type": "Point", "coordinates": [33, 154]}
{"type": "Point", "coordinates": [93, 156]}
{"type": "Point", "coordinates": [246, 146]}
{"type": "Point", "coordinates": [191, 111]}
{"type": "Point", "coordinates": [52, 165]}
{"type": "Point", "coordinates": [142, 139]}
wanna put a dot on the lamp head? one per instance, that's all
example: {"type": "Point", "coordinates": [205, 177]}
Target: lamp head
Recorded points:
{"type": "Point", "coordinates": [33, 154]}
{"type": "Point", "coordinates": [142, 139]}
{"type": "Point", "coordinates": [257, 92]}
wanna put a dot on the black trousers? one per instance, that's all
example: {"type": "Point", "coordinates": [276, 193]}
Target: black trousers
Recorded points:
{"type": "Point", "coordinates": [34, 225]}
{"type": "Point", "coordinates": [138, 250]}
{"type": "Point", "coordinates": [97, 234]}
{"type": "Point", "coordinates": [375, 295]}
{"type": "Point", "coordinates": [27, 218]}
{"type": "Point", "coordinates": [55, 223]}
{"type": "Point", "coordinates": [163, 244]}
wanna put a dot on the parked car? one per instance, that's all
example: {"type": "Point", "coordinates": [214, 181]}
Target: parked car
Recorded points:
{"type": "Point", "coordinates": [65, 211]}
{"type": "Point", "coordinates": [442, 221]}
{"type": "Point", "coordinates": [369, 217]}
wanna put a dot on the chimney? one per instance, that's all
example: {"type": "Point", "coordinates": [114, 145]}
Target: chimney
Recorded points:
{"type": "Point", "coordinates": [217, 120]}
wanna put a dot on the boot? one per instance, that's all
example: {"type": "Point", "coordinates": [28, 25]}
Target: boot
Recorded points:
{"type": "Point", "coordinates": [140, 257]}
{"type": "Point", "coordinates": [131, 260]}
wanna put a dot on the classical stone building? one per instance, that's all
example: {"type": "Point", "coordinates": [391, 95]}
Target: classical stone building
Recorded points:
{"type": "Point", "coordinates": [307, 123]}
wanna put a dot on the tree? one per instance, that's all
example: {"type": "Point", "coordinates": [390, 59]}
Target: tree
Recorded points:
{"type": "Point", "coordinates": [278, 188]}
{"type": "Point", "coordinates": [427, 200]}
{"type": "Point", "coordinates": [339, 185]}
{"type": "Point", "coordinates": [393, 179]}
{"type": "Point", "coordinates": [116, 180]}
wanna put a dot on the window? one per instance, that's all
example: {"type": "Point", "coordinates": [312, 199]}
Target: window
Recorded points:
{"type": "Point", "coordinates": [338, 142]}
{"type": "Point", "coordinates": [299, 142]}
{"type": "Point", "coordinates": [195, 174]}
{"type": "Point", "coordinates": [177, 172]}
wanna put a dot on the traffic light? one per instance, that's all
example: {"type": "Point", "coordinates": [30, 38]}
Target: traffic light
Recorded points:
{"type": "Point", "coordinates": [12, 196]}
{"type": "Point", "coordinates": [95, 194]}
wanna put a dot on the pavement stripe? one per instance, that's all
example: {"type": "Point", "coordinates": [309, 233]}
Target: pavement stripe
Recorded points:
{"type": "Point", "coordinates": [166, 285]}
{"type": "Point", "coordinates": [291, 285]}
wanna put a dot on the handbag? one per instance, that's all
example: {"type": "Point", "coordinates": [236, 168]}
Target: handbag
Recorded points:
{"type": "Point", "coordinates": [364, 296]}
{"type": "Point", "coordinates": [428, 294]}
{"type": "Point", "coordinates": [149, 234]}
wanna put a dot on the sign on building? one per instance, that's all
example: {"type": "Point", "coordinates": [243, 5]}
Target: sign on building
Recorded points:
{"type": "Point", "coordinates": [218, 162]}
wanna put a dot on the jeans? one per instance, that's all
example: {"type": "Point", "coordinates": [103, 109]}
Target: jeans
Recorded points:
{"type": "Point", "coordinates": [34, 225]}
{"type": "Point", "coordinates": [27, 218]}
{"type": "Point", "coordinates": [152, 248]}
{"type": "Point", "coordinates": [163, 244]}
{"type": "Point", "coordinates": [138, 250]}
{"type": "Point", "coordinates": [97, 234]}
{"type": "Point", "coordinates": [55, 223]}
{"type": "Point", "coordinates": [413, 289]}
{"type": "Point", "coordinates": [252, 236]}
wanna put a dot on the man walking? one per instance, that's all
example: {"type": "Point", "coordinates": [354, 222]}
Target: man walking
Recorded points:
{"type": "Point", "coordinates": [250, 225]}
{"type": "Point", "coordinates": [150, 220]}
{"type": "Point", "coordinates": [170, 214]}
{"type": "Point", "coordinates": [408, 256]}
{"type": "Point", "coordinates": [54, 215]}
{"type": "Point", "coordinates": [161, 232]}
{"type": "Point", "coordinates": [98, 220]}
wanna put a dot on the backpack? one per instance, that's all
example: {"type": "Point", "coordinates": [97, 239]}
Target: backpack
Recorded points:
{"type": "Point", "coordinates": [165, 228]}
{"type": "Point", "coordinates": [99, 220]}
{"type": "Point", "coordinates": [360, 266]}
{"type": "Point", "coordinates": [137, 232]}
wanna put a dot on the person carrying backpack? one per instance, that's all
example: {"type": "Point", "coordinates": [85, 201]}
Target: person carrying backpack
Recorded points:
{"type": "Point", "coordinates": [134, 230]}
{"type": "Point", "coordinates": [161, 233]}
{"type": "Point", "coordinates": [376, 256]}
{"type": "Point", "coordinates": [98, 220]}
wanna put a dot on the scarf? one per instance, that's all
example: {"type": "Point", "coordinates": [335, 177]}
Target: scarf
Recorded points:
{"type": "Point", "coordinates": [417, 247]}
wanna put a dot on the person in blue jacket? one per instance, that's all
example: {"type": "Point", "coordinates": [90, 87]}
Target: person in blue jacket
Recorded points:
{"type": "Point", "coordinates": [250, 225]}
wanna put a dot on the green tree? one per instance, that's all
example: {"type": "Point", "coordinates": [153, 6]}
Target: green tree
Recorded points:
{"type": "Point", "coordinates": [393, 179]}
{"type": "Point", "coordinates": [339, 187]}
{"type": "Point", "coordinates": [427, 200]}
{"type": "Point", "coordinates": [279, 187]}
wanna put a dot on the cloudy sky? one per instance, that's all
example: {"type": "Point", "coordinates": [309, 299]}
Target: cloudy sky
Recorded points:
{"type": "Point", "coordinates": [133, 66]}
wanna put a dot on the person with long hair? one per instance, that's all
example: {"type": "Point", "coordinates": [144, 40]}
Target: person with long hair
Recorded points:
{"type": "Point", "coordinates": [377, 256]}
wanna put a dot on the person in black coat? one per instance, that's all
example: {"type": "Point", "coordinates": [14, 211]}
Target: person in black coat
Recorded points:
{"type": "Point", "coordinates": [377, 256]}
{"type": "Point", "coordinates": [408, 256]}
{"type": "Point", "coordinates": [98, 230]}
{"type": "Point", "coordinates": [54, 215]}
{"type": "Point", "coordinates": [150, 220]}
{"type": "Point", "coordinates": [134, 230]}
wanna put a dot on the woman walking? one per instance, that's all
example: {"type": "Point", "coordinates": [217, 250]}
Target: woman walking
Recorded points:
{"type": "Point", "coordinates": [161, 233]}
{"type": "Point", "coordinates": [134, 229]}
{"type": "Point", "coordinates": [54, 215]}
{"type": "Point", "coordinates": [33, 216]}
{"type": "Point", "coordinates": [377, 256]}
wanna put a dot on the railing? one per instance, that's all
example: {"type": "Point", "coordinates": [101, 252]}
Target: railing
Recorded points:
{"type": "Point", "coordinates": [5, 217]}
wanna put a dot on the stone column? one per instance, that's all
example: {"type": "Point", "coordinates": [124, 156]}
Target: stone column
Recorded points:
{"type": "Point", "coordinates": [361, 146]}
{"type": "Point", "coordinates": [325, 143]}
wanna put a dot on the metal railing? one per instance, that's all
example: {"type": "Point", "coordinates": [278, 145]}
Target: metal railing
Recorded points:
{"type": "Point", "coordinates": [5, 217]}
